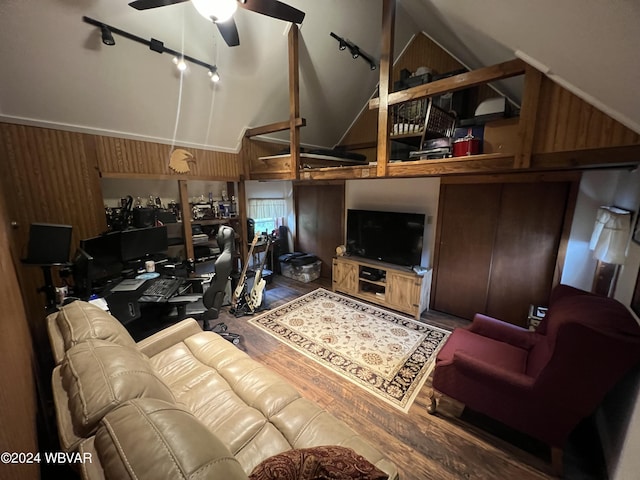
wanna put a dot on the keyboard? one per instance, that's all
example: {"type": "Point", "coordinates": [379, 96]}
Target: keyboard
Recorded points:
{"type": "Point", "coordinates": [161, 289]}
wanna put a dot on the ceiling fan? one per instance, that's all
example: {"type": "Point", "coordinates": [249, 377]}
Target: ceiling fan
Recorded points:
{"type": "Point", "coordinates": [221, 12]}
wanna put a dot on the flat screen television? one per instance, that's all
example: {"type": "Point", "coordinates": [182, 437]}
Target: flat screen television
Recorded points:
{"type": "Point", "coordinates": [392, 237]}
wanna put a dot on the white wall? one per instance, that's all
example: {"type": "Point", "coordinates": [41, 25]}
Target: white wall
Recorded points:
{"type": "Point", "coordinates": [597, 187]}
{"type": "Point", "coordinates": [275, 189]}
{"type": "Point", "coordinates": [113, 189]}
{"type": "Point", "coordinates": [411, 195]}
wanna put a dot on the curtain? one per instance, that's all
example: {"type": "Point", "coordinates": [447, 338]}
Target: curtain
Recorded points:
{"type": "Point", "coordinates": [611, 235]}
{"type": "Point", "coordinates": [267, 208]}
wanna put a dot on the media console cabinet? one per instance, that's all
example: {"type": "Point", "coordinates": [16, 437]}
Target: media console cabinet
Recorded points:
{"type": "Point", "coordinates": [392, 286]}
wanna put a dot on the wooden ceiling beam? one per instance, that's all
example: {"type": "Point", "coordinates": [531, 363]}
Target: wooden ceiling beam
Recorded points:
{"type": "Point", "coordinates": [386, 77]}
{"type": "Point", "coordinates": [274, 127]}
{"type": "Point", "coordinates": [473, 78]}
{"type": "Point", "coordinates": [294, 100]}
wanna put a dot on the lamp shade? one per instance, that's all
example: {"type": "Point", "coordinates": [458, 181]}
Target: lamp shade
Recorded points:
{"type": "Point", "coordinates": [216, 10]}
{"type": "Point", "coordinates": [611, 235]}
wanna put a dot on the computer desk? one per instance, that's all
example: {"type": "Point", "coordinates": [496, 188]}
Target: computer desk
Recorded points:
{"type": "Point", "coordinates": [127, 306]}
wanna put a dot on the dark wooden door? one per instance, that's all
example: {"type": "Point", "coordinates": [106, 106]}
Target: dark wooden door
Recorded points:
{"type": "Point", "coordinates": [319, 221]}
{"type": "Point", "coordinates": [498, 247]}
{"type": "Point", "coordinates": [468, 219]}
{"type": "Point", "coordinates": [525, 250]}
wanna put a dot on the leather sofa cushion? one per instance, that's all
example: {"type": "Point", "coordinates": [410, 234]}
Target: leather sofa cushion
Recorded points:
{"type": "Point", "coordinates": [80, 321]}
{"type": "Point", "coordinates": [99, 375]}
{"type": "Point", "coordinates": [327, 461]}
{"type": "Point", "coordinates": [149, 438]}
{"type": "Point", "coordinates": [248, 406]}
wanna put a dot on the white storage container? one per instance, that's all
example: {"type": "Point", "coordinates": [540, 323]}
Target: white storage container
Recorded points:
{"type": "Point", "coordinates": [304, 273]}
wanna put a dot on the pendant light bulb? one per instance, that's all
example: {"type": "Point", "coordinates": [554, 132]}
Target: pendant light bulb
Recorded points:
{"type": "Point", "coordinates": [180, 63]}
{"type": "Point", "coordinates": [217, 11]}
{"type": "Point", "coordinates": [215, 77]}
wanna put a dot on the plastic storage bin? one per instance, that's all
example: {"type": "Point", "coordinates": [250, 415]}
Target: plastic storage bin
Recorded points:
{"type": "Point", "coordinates": [304, 273]}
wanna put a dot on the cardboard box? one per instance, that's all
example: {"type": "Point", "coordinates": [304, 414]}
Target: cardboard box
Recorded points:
{"type": "Point", "coordinates": [501, 136]}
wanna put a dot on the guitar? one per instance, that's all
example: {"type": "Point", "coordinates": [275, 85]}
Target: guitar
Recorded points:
{"type": "Point", "coordinates": [239, 292]}
{"type": "Point", "coordinates": [255, 296]}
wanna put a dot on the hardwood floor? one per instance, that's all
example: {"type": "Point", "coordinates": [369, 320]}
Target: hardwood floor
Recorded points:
{"type": "Point", "coordinates": [423, 446]}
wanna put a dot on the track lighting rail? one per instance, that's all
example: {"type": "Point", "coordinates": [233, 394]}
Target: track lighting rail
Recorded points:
{"type": "Point", "coordinates": [153, 44]}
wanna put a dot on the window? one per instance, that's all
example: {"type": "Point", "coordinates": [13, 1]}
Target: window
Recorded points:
{"type": "Point", "coordinates": [266, 213]}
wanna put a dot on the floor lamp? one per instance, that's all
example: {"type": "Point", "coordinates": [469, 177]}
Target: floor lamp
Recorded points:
{"type": "Point", "coordinates": [609, 244]}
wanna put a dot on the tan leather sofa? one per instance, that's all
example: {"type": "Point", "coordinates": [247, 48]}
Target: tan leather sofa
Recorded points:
{"type": "Point", "coordinates": [182, 403]}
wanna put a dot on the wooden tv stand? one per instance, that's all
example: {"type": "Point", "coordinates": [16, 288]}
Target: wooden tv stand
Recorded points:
{"type": "Point", "coordinates": [392, 286]}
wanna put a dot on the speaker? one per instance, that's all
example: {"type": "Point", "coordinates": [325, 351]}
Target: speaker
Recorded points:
{"type": "Point", "coordinates": [251, 229]}
{"type": "Point", "coordinates": [48, 244]}
{"type": "Point", "coordinates": [144, 217]}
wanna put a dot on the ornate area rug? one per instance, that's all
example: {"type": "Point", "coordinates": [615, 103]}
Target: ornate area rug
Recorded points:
{"type": "Point", "coordinates": [387, 354]}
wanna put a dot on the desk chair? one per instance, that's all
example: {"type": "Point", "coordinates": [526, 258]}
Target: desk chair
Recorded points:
{"type": "Point", "coordinates": [213, 297]}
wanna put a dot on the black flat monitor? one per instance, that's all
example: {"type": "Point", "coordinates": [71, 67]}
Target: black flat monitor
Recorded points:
{"type": "Point", "coordinates": [97, 262]}
{"type": "Point", "coordinates": [139, 243]}
{"type": "Point", "coordinates": [49, 244]}
{"type": "Point", "coordinates": [103, 248]}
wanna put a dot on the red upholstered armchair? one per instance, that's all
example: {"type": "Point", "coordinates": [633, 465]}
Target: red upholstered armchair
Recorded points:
{"type": "Point", "coordinates": [541, 383]}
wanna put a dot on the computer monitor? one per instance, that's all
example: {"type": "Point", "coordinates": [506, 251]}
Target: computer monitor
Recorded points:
{"type": "Point", "coordinates": [138, 243]}
{"type": "Point", "coordinates": [104, 248]}
{"type": "Point", "coordinates": [49, 244]}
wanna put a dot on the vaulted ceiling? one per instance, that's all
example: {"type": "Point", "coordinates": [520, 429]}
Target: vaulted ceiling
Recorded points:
{"type": "Point", "coordinates": [57, 73]}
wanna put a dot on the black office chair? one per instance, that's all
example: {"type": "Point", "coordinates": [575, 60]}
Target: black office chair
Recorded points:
{"type": "Point", "coordinates": [213, 297]}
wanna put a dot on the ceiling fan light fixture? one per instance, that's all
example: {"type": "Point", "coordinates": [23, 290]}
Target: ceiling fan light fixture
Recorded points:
{"type": "Point", "coordinates": [217, 11]}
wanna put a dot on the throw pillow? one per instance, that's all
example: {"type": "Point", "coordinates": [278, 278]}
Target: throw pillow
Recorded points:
{"type": "Point", "coordinates": [330, 462]}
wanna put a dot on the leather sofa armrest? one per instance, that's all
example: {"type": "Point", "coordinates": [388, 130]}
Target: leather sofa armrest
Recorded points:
{"type": "Point", "coordinates": [90, 468]}
{"type": "Point", "coordinates": [503, 332]}
{"type": "Point", "coordinates": [490, 373]}
{"type": "Point", "coordinates": [55, 339]}
{"type": "Point", "coordinates": [169, 336]}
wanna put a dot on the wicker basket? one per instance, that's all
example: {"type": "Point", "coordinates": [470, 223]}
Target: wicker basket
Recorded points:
{"type": "Point", "coordinates": [421, 117]}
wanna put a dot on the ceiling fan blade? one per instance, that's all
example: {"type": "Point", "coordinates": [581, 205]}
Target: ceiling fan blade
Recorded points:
{"type": "Point", "coordinates": [229, 32]}
{"type": "Point", "coordinates": [147, 4]}
{"type": "Point", "coordinates": [275, 9]}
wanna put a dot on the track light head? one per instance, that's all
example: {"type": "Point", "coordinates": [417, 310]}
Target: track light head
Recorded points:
{"type": "Point", "coordinates": [213, 74]}
{"type": "Point", "coordinates": [342, 45]}
{"type": "Point", "coordinates": [107, 38]}
{"type": "Point", "coordinates": [355, 52]}
{"type": "Point", "coordinates": [180, 63]}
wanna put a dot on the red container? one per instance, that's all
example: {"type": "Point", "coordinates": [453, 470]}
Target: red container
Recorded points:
{"type": "Point", "coordinates": [468, 145]}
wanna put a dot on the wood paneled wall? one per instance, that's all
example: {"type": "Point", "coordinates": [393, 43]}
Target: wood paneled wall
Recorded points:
{"type": "Point", "coordinates": [119, 156]}
{"type": "Point", "coordinates": [566, 122]}
{"type": "Point", "coordinates": [48, 176]}
{"type": "Point", "coordinates": [17, 395]}
{"type": "Point", "coordinates": [252, 150]}
{"type": "Point", "coordinates": [53, 176]}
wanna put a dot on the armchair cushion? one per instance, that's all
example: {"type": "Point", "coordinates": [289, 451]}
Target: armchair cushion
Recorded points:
{"type": "Point", "coordinates": [500, 354]}
{"type": "Point", "coordinates": [99, 375]}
